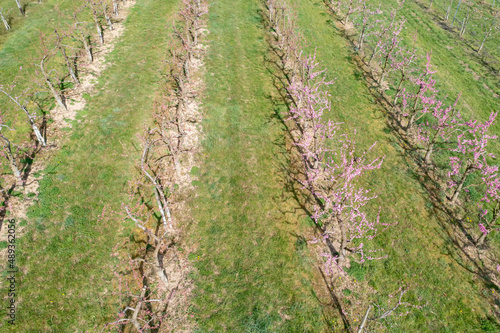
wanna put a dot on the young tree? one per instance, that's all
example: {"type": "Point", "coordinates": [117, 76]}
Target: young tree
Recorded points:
{"type": "Point", "coordinates": [20, 7]}
{"type": "Point", "coordinates": [489, 206]}
{"type": "Point", "coordinates": [46, 76]}
{"type": "Point", "coordinates": [389, 47]}
{"type": "Point", "coordinates": [81, 33]}
{"type": "Point", "coordinates": [403, 62]}
{"type": "Point", "coordinates": [96, 10]}
{"type": "Point", "coordinates": [443, 124]}
{"type": "Point", "coordinates": [471, 156]}
{"type": "Point", "coordinates": [20, 103]}
{"type": "Point", "coordinates": [8, 150]}
{"type": "Point", "coordinates": [62, 49]}
{"type": "Point", "coordinates": [465, 21]}
{"type": "Point", "coordinates": [367, 16]}
{"type": "Point", "coordinates": [493, 28]}
{"type": "Point", "coordinates": [456, 11]}
{"type": "Point", "coordinates": [448, 11]}
{"type": "Point", "coordinates": [416, 105]}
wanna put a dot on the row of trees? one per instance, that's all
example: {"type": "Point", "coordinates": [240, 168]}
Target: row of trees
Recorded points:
{"type": "Point", "coordinates": [50, 75]}
{"type": "Point", "coordinates": [145, 283]}
{"type": "Point", "coordinates": [330, 166]}
{"type": "Point", "coordinates": [478, 19]}
{"type": "Point", "coordinates": [468, 18]}
{"type": "Point", "coordinates": [453, 148]}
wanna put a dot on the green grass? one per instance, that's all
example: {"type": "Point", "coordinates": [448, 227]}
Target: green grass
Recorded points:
{"type": "Point", "coordinates": [417, 248]}
{"type": "Point", "coordinates": [65, 254]}
{"type": "Point", "coordinates": [253, 274]}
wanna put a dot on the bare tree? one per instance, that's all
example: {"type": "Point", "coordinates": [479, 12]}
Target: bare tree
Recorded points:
{"type": "Point", "coordinates": [491, 30]}
{"type": "Point", "coordinates": [62, 48]}
{"type": "Point", "coordinates": [8, 150]}
{"type": "Point", "coordinates": [22, 107]}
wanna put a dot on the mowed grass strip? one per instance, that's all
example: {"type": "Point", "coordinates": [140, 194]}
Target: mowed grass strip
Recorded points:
{"type": "Point", "coordinates": [65, 254]}
{"type": "Point", "coordinates": [419, 252]}
{"type": "Point", "coordinates": [253, 274]}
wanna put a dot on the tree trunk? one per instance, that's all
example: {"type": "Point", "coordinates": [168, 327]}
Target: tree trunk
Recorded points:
{"type": "Point", "coordinates": [108, 19]}
{"type": "Point", "coordinates": [398, 90]}
{"type": "Point", "coordinates": [456, 11]}
{"type": "Point", "coordinates": [428, 154]}
{"type": "Point", "coordinates": [484, 40]}
{"type": "Point", "coordinates": [5, 23]}
{"type": "Point", "coordinates": [66, 59]}
{"type": "Point", "coordinates": [365, 318]}
{"type": "Point", "coordinates": [448, 11]}
{"type": "Point", "coordinates": [54, 92]}
{"type": "Point", "coordinates": [361, 38]}
{"type": "Point", "coordinates": [99, 29]}
{"type": "Point", "coordinates": [343, 242]}
{"type": "Point", "coordinates": [20, 7]}
{"type": "Point", "coordinates": [460, 185]}
{"type": "Point", "coordinates": [115, 7]}
{"type": "Point", "coordinates": [11, 157]}
{"type": "Point", "coordinates": [88, 49]}
{"type": "Point", "coordinates": [38, 135]}
{"type": "Point", "coordinates": [496, 215]}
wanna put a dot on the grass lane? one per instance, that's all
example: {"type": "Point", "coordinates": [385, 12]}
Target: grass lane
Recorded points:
{"type": "Point", "coordinates": [65, 254]}
{"type": "Point", "coordinates": [253, 275]}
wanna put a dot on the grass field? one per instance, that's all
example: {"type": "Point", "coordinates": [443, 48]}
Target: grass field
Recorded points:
{"type": "Point", "coordinates": [66, 251]}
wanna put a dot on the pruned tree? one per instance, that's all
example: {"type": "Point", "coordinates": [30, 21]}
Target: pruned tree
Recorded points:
{"type": "Point", "coordinates": [20, 102]}
{"type": "Point", "coordinates": [492, 28]}
{"type": "Point", "coordinates": [96, 10]}
{"type": "Point", "coordinates": [62, 49]}
{"type": "Point", "coordinates": [47, 52]}
{"type": "Point", "coordinates": [489, 205]}
{"type": "Point", "coordinates": [441, 127]}
{"type": "Point", "coordinates": [471, 154]}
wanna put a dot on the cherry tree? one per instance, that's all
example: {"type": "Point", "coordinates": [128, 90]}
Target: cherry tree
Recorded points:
{"type": "Point", "coordinates": [471, 154]}
{"type": "Point", "coordinates": [418, 104]}
{"type": "Point", "coordinates": [367, 22]}
{"type": "Point", "coordinates": [388, 47]}
{"type": "Point", "coordinates": [342, 199]}
{"type": "Point", "coordinates": [331, 165]}
{"type": "Point", "coordinates": [489, 205]}
{"type": "Point", "coordinates": [20, 101]}
{"type": "Point", "coordinates": [442, 125]}
{"type": "Point", "coordinates": [62, 49]}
